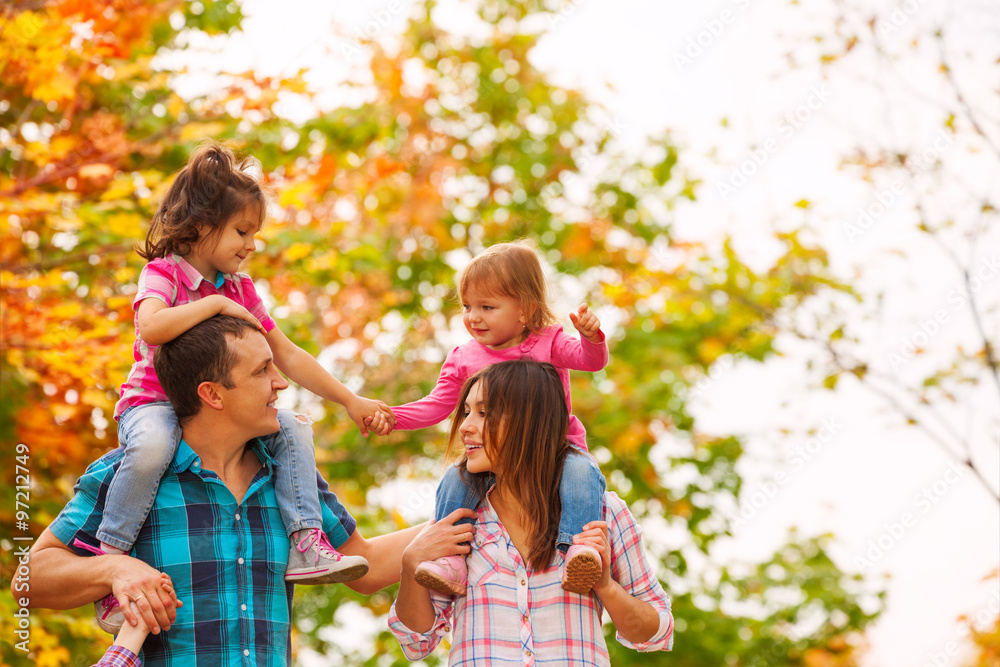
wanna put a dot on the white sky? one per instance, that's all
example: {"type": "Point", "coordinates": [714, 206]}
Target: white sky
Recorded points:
{"type": "Point", "coordinates": [864, 478]}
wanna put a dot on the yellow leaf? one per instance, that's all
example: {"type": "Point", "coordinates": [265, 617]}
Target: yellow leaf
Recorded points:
{"type": "Point", "coordinates": [193, 131]}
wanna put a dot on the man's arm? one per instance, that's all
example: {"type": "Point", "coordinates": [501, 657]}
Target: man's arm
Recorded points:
{"type": "Point", "coordinates": [384, 554]}
{"type": "Point", "coordinates": [60, 579]}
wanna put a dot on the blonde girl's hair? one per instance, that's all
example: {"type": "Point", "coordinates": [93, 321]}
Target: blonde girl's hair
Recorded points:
{"type": "Point", "coordinates": [215, 185]}
{"type": "Point", "coordinates": [512, 270]}
{"type": "Point", "coordinates": [525, 437]}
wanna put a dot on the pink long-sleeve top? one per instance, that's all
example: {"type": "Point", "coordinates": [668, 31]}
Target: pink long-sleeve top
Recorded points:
{"type": "Point", "coordinates": [551, 345]}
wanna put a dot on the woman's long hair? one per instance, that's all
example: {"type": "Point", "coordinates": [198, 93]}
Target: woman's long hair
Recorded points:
{"type": "Point", "coordinates": [525, 438]}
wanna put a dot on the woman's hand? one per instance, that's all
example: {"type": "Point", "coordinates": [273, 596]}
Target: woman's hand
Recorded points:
{"type": "Point", "coordinates": [595, 534]}
{"type": "Point", "coordinates": [439, 539]}
{"type": "Point", "coordinates": [152, 592]}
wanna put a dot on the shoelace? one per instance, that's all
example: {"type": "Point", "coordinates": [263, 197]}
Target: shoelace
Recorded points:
{"type": "Point", "coordinates": [316, 537]}
{"type": "Point", "coordinates": [109, 601]}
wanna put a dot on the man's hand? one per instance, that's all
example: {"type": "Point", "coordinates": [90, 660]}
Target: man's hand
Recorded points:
{"type": "Point", "coordinates": [152, 592]}
{"type": "Point", "coordinates": [586, 323]}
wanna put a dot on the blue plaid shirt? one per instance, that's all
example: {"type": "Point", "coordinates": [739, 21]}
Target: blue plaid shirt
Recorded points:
{"type": "Point", "coordinates": [226, 559]}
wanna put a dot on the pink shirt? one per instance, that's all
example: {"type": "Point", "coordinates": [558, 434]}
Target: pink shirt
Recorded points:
{"type": "Point", "coordinates": [552, 345]}
{"type": "Point", "coordinates": [514, 615]}
{"type": "Point", "coordinates": [175, 282]}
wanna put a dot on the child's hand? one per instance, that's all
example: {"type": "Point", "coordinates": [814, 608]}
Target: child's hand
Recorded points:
{"type": "Point", "coordinates": [233, 309]}
{"type": "Point", "coordinates": [359, 408]}
{"type": "Point", "coordinates": [595, 534]}
{"type": "Point", "coordinates": [586, 323]}
{"type": "Point", "coordinates": [379, 424]}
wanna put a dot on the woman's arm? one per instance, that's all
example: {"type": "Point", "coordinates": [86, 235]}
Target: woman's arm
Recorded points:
{"type": "Point", "coordinates": [159, 323]}
{"type": "Point", "coordinates": [636, 620]}
{"type": "Point", "coordinates": [629, 589]}
{"type": "Point", "coordinates": [442, 538]}
{"type": "Point", "coordinates": [300, 367]}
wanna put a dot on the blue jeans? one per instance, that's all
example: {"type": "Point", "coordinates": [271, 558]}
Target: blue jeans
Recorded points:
{"type": "Point", "coordinates": [581, 493]}
{"type": "Point", "coordinates": [150, 434]}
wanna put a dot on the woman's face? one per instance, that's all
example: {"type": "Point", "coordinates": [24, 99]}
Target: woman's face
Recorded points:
{"type": "Point", "coordinates": [473, 431]}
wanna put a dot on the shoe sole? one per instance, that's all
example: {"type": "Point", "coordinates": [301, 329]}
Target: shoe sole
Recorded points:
{"type": "Point", "coordinates": [581, 574]}
{"type": "Point", "coordinates": [438, 583]}
{"type": "Point", "coordinates": [311, 577]}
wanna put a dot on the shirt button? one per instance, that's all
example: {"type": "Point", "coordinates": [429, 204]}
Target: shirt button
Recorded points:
{"type": "Point", "coordinates": [243, 607]}
{"type": "Point", "coordinates": [246, 651]}
{"type": "Point", "coordinates": [240, 561]}
{"type": "Point", "coordinates": [447, 629]}
{"type": "Point", "coordinates": [237, 517]}
{"type": "Point", "coordinates": [523, 582]}
{"type": "Point", "coordinates": [528, 653]}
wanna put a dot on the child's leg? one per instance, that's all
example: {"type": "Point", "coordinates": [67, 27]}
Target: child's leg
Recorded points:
{"type": "Point", "coordinates": [312, 559]}
{"type": "Point", "coordinates": [449, 575]}
{"type": "Point", "coordinates": [454, 494]}
{"type": "Point", "coordinates": [295, 477]}
{"type": "Point", "coordinates": [150, 434]}
{"type": "Point", "coordinates": [581, 492]}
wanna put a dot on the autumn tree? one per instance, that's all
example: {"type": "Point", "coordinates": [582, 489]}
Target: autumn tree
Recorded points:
{"type": "Point", "coordinates": [462, 144]}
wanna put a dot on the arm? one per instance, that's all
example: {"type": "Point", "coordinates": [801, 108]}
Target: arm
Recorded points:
{"type": "Point", "coordinates": [60, 579]}
{"type": "Point", "coordinates": [420, 618]}
{"type": "Point", "coordinates": [385, 552]}
{"type": "Point", "coordinates": [587, 353]}
{"type": "Point", "coordinates": [442, 538]}
{"type": "Point", "coordinates": [437, 405]}
{"type": "Point", "coordinates": [628, 587]}
{"type": "Point", "coordinates": [159, 323]}
{"type": "Point", "coordinates": [300, 367]}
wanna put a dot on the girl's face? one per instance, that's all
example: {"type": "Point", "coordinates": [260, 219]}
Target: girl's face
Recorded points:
{"type": "Point", "coordinates": [494, 321]}
{"type": "Point", "coordinates": [473, 431]}
{"type": "Point", "coordinates": [225, 251]}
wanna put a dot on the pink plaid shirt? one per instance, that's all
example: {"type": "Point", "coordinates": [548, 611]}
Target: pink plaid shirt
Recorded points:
{"type": "Point", "coordinates": [119, 656]}
{"type": "Point", "coordinates": [513, 616]}
{"type": "Point", "coordinates": [175, 282]}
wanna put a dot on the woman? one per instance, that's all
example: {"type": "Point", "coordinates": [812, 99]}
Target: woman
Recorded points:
{"type": "Point", "coordinates": [513, 422]}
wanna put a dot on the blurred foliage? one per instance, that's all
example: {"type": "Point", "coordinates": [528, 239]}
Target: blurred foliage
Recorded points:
{"type": "Point", "coordinates": [462, 144]}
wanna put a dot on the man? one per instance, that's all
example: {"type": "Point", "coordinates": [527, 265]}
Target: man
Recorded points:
{"type": "Point", "coordinates": [215, 529]}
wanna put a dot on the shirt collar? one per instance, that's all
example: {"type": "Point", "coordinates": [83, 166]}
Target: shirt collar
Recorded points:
{"type": "Point", "coordinates": [190, 275]}
{"type": "Point", "coordinates": [186, 458]}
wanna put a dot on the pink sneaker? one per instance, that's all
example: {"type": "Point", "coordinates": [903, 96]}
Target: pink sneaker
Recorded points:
{"type": "Point", "coordinates": [581, 569]}
{"type": "Point", "coordinates": [447, 575]}
{"type": "Point", "coordinates": [109, 614]}
{"type": "Point", "coordinates": [313, 560]}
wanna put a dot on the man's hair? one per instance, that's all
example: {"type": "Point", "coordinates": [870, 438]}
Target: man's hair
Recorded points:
{"type": "Point", "coordinates": [200, 354]}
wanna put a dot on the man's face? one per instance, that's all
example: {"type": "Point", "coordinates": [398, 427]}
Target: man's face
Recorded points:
{"type": "Point", "coordinates": [250, 403]}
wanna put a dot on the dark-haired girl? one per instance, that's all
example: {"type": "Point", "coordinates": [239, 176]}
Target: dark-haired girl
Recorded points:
{"type": "Point", "coordinates": [202, 232]}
